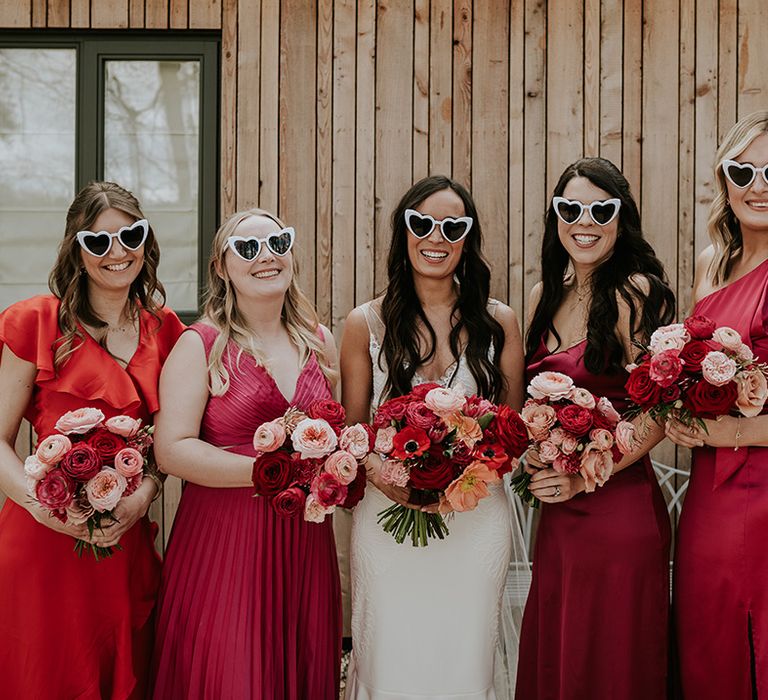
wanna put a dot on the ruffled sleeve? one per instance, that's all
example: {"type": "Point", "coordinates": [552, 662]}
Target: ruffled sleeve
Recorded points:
{"type": "Point", "coordinates": [29, 328]}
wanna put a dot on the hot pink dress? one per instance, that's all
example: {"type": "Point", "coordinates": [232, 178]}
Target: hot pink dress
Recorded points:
{"type": "Point", "coordinates": [721, 562]}
{"type": "Point", "coordinates": [596, 620]}
{"type": "Point", "coordinates": [250, 603]}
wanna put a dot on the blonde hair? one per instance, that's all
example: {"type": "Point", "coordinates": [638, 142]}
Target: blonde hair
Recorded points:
{"type": "Point", "coordinates": [68, 282]}
{"type": "Point", "coordinates": [722, 225]}
{"type": "Point", "coordinates": [221, 311]}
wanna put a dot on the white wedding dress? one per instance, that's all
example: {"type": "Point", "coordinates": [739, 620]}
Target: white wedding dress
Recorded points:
{"type": "Point", "coordinates": [427, 622]}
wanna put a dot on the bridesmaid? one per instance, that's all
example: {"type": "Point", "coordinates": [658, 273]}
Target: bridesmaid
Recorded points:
{"type": "Point", "coordinates": [75, 627]}
{"type": "Point", "coordinates": [250, 604]}
{"type": "Point", "coordinates": [721, 571]}
{"type": "Point", "coordinates": [596, 620]}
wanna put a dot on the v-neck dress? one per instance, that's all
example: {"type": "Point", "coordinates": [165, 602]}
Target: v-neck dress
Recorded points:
{"type": "Point", "coordinates": [73, 627]}
{"type": "Point", "coordinates": [250, 602]}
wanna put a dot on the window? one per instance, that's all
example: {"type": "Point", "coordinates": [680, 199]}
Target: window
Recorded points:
{"type": "Point", "coordinates": [141, 111]}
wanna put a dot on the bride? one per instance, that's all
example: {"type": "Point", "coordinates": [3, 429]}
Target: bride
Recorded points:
{"type": "Point", "coordinates": [426, 621]}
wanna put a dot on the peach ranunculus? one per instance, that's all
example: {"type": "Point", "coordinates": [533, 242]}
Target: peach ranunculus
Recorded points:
{"type": "Point", "coordinates": [53, 448]}
{"type": "Point", "coordinates": [468, 430]}
{"type": "Point", "coordinates": [625, 437]}
{"type": "Point", "coordinates": [583, 397]}
{"type": "Point", "coordinates": [35, 468]}
{"type": "Point", "coordinates": [605, 408]}
{"type": "Point", "coordinates": [125, 426]}
{"type": "Point", "coordinates": [752, 391]}
{"type": "Point", "coordinates": [717, 368]}
{"type": "Point", "coordinates": [129, 462]}
{"type": "Point", "coordinates": [384, 437]}
{"type": "Point", "coordinates": [444, 401]}
{"type": "Point", "coordinates": [356, 440]}
{"type": "Point", "coordinates": [671, 337]}
{"type": "Point", "coordinates": [342, 465]}
{"type": "Point", "coordinates": [548, 451]}
{"type": "Point", "coordinates": [550, 385]}
{"type": "Point", "coordinates": [105, 489]}
{"type": "Point", "coordinates": [314, 512]}
{"type": "Point", "coordinates": [538, 418]}
{"type": "Point", "coordinates": [466, 492]}
{"type": "Point", "coordinates": [745, 354]}
{"type": "Point", "coordinates": [313, 438]}
{"type": "Point", "coordinates": [394, 472]}
{"type": "Point", "coordinates": [596, 466]}
{"type": "Point", "coordinates": [728, 338]}
{"type": "Point", "coordinates": [269, 436]}
{"type": "Point", "coordinates": [602, 438]}
{"type": "Point", "coordinates": [80, 421]}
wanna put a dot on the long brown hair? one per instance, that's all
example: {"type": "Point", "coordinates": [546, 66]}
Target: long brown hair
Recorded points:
{"type": "Point", "coordinates": [67, 280]}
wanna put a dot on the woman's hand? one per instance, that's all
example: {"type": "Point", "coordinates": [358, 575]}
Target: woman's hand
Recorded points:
{"type": "Point", "coordinates": [398, 494]}
{"type": "Point", "coordinates": [44, 517]}
{"type": "Point", "coordinates": [533, 464]}
{"type": "Point", "coordinates": [550, 486]}
{"type": "Point", "coordinates": [127, 511]}
{"type": "Point", "coordinates": [719, 433]}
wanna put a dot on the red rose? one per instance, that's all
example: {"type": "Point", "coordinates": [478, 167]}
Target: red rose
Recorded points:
{"type": "Point", "coordinates": [271, 472]}
{"type": "Point", "coordinates": [356, 489]}
{"type": "Point", "coordinates": [420, 391]}
{"type": "Point", "coordinates": [329, 410]}
{"type": "Point", "coordinates": [699, 327]}
{"type": "Point", "coordinates": [434, 472]}
{"type": "Point", "coordinates": [670, 394]}
{"type": "Point", "coordinates": [418, 415]}
{"type": "Point", "coordinates": [107, 444]}
{"type": "Point", "coordinates": [705, 400]}
{"type": "Point", "coordinates": [392, 410]}
{"type": "Point", "coordinates": [328, 490]}
{"type": "Point", "coordinates": [82, 462]}
{"type": "Point", "coordinates": [510, 431]}
{"type": "Point", "coordinates": [410, 442]}
{"type": "Point", "coordinates": [575, 419]}
{"type": "Point", "coordinates": [289, 502]}
{"type": "Point", "coordinates": [641, 388]}
{"type": "Point", "coordinates": [692, 355]}
{"type": "Point", "coordinates": [55, 491]}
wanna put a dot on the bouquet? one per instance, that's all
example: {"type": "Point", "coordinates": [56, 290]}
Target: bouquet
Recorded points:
{"type": "Point", "coordinates": [447, 448]}
{"type": "Point", "coordinates": [80, 472]}
{"type": "Point", "coordinates": [573, 431]}
{"type": "Point", "coordinates": [310, 462]}
{"type": "Point", "coordinates": [694, 370]}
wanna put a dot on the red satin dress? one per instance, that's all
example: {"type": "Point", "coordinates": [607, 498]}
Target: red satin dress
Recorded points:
{"type": "Point", "coordinates": [250, 602]}
{"type": "Point", "coordinates": [721, 565]}
{"type": "Point", "coordinates": [73, 627]}
{"type": "Point", "coordinates": [596, 623]}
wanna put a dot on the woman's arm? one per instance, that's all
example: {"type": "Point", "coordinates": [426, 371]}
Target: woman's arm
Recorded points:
{"type": "Point", "coordinates": [512, 360]}
{"type": "Point", "coordinates": [331, 357]}
{"type": "Point", "coordinates": [183, 396]}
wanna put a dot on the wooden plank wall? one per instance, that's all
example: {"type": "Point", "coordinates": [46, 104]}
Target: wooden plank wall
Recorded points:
{"type": "Point", "coordinates": [331, 108]}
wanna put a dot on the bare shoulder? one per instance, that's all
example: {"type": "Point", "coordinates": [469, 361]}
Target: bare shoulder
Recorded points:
{"type": "Point", "coordinates": [702, 284]}
{"type": "Point", "coordinates": [506, 316]}
{"type": "Point", "coordinates": [188, 348]}
{"type": "Point", "coordinates": [535, 296]}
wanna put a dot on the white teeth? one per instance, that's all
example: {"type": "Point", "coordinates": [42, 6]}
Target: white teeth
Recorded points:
{"type": "Point", "coordinates": [118, 268]}
{"type": "Point", "coordinates": [586, 240]}
{"type": "Point", "coordinates": [759, 205]}
{"type": "Point", "coordinates": [433, 254]}
{"type": "Point", "coordinates": [265, 274]}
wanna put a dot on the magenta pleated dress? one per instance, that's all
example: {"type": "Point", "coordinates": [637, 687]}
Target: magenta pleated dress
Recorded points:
{"type": "Point", "coordinates": [596, 623]}
{"type": "Point", "coordinates": [721, 562]}
{"type": "Point", "coordinates": [250, 604]}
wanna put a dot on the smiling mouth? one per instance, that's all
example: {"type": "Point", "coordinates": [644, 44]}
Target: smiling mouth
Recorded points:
{"type": "Point", "coordinates": [761, 205]}
{"type": "Point", "coordinates": [434, 255]}
{"type": "Point", "coordinates": [266, 274]}
{"type": "Point", "coordinates": [585, 240]}
{"type": "Point", "coordinates": [119, 267]}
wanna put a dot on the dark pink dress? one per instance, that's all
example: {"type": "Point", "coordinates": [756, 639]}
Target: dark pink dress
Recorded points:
{"type": "Point", "coordinates": [721, 563]}
{"type": "Point", "coordinates": [596, 621]}
{"type": "Point", "coordinates": [250, 604]}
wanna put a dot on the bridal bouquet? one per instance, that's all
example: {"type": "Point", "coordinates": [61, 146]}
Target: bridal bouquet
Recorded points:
{"type": "Point", "coordinates": [446, 447]}
{"type": "Point", "coordinates": [695, 370]}
{"type": "Point", "coordinates": [80, 473]}
{"type": "Point", "coordinates": [573, 431]}
{"type": "Point", "coordinates": [310, 462]}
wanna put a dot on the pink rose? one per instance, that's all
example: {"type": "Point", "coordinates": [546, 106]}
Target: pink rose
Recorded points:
{"type": "Point", "coordinates": [728, 338]}
{"type": "Point", "coordinates": [602, 438]}
{"type": "Point", "coordinates": [582, 397]}
{"type": "Point", "coordinates": [556, 436]}
{"type": "Point", "coordinates": [342, 465]}
{"type": "Point", "coordinates": [313, 511]}
{"type": "Point", "coordinates": [55, 491]}
{"type": "Point", "coordinates": [394, 472]}
{"type": "Point", "coordinates": [548, 452]}
{"type": "Point", "coordinates": [671, 337]}
{"type": "Point", "coordinates": [125, 426]}
{"type": "Point", "coordinates": [625, 437]}
{"type": "Point", "coordinates": [419, 415]}
{"type": "Point", "coordinates": [53, 448]}
{"type": "Point", "coordinates": [596, 467]}
{"type": "Point", "coordinates": [105, 489]}
{"type": "Point", "coordinates": [313, 438]}
{"type": "Point", "coordinates": [605, 408]}
{"type": "Point", "coordinates": [717, 368]}
{"type": "Point", "coordinates": [269, 436]}
{"type": "Point", "coordinates": [550, 385]}
{"type": "Point", "coordinates": [79, 511]}
{"type": "Point", "coordinates": [35, 468]}
{"type": "Point", "coordinates": [569, 444]}
{"type": "Point", "coordinates": [384, 437]}
{"type": "Point", "coordinates": [328, 490]}
{"type": "Point", "coordinates": [444, 402]}
{"type": "Point", "coordinates": [538, 418]}
{"type": "Point", "coordinates": [129, 462]}
{"type": "Point", "coordinates": [752, 391]}
{"type": "Point", "coordinates": [80, 421]}
{"type": "Point", "coordinates": [665, 367]}
{"type": "Point", "coordinates": [356, 440]}
{"type": "Point", "coordinates": [477, 406]}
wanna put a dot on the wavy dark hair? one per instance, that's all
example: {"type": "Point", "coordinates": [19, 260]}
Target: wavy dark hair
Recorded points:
{"type": "Point", "coordinates": [67, 282]}
{"type": "Point", "coordinates": [402, 310]}
{"type": "Point", "coordinates": [632, 255]}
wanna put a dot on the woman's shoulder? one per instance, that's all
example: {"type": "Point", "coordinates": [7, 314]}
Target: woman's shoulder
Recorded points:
{"type": "Point", "coordinates": [30, 327]}
{"type": "Point", "coordinates": [43, 307]}
{"type": "Point", "coordinates": [502, 312]}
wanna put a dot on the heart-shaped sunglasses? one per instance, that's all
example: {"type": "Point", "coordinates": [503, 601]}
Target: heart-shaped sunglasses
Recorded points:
{"type": "Point", "coordinates": [742, 175]}
{"type": "Point", "coordinates": [569, 211]}
{"type": "Point", "coordinates": [421, 225]}
{"type": "Point", "coordinates": [99, 243]}
{"type": "Point", "coordinates": [248, 248]}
